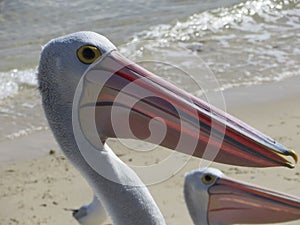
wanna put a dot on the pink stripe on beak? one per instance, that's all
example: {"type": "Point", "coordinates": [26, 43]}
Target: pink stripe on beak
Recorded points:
{"type": "Point", "coordinates": [131, 98]}
{"type": "Point", "coordinates": [233, 202]}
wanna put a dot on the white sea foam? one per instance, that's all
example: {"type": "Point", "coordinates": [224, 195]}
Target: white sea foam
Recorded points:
{"type": "Point", "coordinates": [24, 132]}
{"type": "Point", "coordinates": [249, 43]}
{"type": "Point", "coordinates": [13, 81]}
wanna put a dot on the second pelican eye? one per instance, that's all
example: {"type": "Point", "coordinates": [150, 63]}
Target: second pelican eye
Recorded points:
{"type": "Point", "coordinates": [88, 54]}
{"type": "Point", "coordinates": [208, 179]}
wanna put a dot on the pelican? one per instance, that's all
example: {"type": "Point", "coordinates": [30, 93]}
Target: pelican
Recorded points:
{"type": "Point", "coordinates": [214, 199]}
{"type": "Point", "coordinates": [64, 62]}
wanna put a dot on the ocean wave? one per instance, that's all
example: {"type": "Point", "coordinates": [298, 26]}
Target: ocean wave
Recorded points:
{"type": "Point", "coordinates": [246, 44]}
{"type": "Point", "coordinates": [24, 132]}
{"type": "Point", "coordinates": [250, 16]}
{"type": "Point", "coordinates": [15, 80]}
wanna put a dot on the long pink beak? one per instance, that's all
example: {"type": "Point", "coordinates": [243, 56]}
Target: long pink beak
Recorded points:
{"type": "Point", "coordinates": [233, 202]}
{"type": "Point", "coordinates": [134, 103]}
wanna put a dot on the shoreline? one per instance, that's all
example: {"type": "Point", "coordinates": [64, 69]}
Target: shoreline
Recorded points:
{"type": "Point", "coordinates": [38, 188]}
{"type": "Point", "coordinates": [35, 145]}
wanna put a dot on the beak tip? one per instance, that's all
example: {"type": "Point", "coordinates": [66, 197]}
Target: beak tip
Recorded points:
{"type": "Point", "coordinates": [289, 165]}
{"type": "Point", "coordinates": [294, 155]}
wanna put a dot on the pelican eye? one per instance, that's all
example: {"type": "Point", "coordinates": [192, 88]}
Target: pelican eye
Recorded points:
{"type": "Point", "coordinates": [88, 54]}
{"type": "Point", "coordinates": [208, 179]}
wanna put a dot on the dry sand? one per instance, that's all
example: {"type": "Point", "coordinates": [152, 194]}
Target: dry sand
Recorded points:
{"type": "Point", "coordinates": [45, 189]}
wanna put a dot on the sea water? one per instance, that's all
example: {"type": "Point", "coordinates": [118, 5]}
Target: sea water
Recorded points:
{"type": "Point", "coordinates": [241, 42]}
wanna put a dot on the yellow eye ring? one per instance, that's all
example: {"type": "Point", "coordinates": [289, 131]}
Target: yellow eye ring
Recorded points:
{"type": "Point", "coordinates": [207, 179]}
{"type": "Point", "coordinates": [88, 54]}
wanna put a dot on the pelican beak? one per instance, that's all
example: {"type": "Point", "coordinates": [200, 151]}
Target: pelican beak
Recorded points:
{"type": "Point", "coordinates": [131, 102]}
{"type": "Point", "coordinates": [233, 202]}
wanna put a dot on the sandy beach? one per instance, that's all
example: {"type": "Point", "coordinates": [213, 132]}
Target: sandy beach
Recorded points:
{"type": "Point", "coordinates": [39, 186]}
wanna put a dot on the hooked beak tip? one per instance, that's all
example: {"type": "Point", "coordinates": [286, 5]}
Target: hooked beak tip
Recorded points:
{"type": "Point", "coordinates": [294, 155]}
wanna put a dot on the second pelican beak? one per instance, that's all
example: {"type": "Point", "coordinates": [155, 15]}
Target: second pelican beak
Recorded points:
{"type": "Point", "coordinates": [237, 202]}
{"type": "Point", "coordinates": [213, 198]}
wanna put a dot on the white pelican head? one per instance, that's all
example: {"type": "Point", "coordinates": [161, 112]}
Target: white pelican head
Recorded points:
{"type": "Point", "coordinates": [65, 59]}
{"type": "Point", "coordinates": [214, 199]}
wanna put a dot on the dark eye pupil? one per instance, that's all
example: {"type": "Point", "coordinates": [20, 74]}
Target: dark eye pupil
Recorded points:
{"type": "Point", "coordinates": [207, 178]}
{"type": "Point", "coordinates": [88, 53]}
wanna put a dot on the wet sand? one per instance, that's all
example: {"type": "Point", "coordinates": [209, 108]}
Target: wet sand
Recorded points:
{"type": "Point", "coordinates": [37, 187]}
